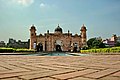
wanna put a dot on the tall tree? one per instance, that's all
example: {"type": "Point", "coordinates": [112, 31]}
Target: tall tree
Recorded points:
{"type": "Point", "coordinates": [95, 43]}
{"type": "Point", "coordinates": [90, 41]}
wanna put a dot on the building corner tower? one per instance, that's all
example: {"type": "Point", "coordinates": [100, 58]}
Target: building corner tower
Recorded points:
{"type": "Point", "coordinates": [83, 36]}
{"type": "Point", "coordinates": [32, 36]}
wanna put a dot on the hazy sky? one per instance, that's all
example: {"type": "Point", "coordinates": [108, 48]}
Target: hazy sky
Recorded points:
{"type": "Point", "coordinates": [101, 17]}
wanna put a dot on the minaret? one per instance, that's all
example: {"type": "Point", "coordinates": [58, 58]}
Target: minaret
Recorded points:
{"type": "Point", "coordinates": [83, 36]}
{"type": "Point", "coordinates": [32, 36]}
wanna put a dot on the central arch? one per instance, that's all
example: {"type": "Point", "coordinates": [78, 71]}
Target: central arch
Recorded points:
{"type": "Point", "coordinates": [58, 48]}
{"type": "Point", "coordinates": [58, 45]}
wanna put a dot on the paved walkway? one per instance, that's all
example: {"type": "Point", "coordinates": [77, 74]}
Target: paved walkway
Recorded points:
{"type": "Point", "coordinates": [97, 67]}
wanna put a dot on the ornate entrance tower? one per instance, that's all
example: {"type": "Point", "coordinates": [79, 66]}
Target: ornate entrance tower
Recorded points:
{"type": "Point", "coordinates": [83, 36]}
{"type": "Point", "coordinates": [32, 36]}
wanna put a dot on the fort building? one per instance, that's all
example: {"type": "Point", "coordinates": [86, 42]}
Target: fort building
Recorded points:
{"type": "Point", "coordinates": [58, 40]}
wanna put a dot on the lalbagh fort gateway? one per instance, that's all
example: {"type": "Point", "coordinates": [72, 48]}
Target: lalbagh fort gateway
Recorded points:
{"type": "Point", "coordinates": [58, 40]}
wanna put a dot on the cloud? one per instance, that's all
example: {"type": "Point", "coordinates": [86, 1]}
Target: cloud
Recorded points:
{"type": "Point", "coordinates": [23, 2]}
{"type": "Point", "coordinates": [46, 6]}
{"type": "Point", "coordinates": [42, 5]}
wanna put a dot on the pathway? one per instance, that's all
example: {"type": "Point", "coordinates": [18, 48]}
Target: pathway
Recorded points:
{"type": "Point", "coordinates": [96, 67]}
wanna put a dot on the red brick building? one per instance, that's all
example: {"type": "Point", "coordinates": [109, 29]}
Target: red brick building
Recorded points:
{"type": "Point", "coordinates": [58, 41]}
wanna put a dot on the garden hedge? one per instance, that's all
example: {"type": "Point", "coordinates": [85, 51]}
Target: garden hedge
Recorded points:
{"type": "Point", "coordinates": [102, 50]}
{"type": "Point", "coordinates": [14, 50]}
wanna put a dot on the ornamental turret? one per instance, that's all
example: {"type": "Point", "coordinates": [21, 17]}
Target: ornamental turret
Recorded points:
{"type": "Point", "coordinates": [32, 36]}
{"type": "Point", "coordinates": [83, 35]}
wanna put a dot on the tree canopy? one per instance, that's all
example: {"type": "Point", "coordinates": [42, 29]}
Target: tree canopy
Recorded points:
{"type": "Point", "coordinates": [95, 43]}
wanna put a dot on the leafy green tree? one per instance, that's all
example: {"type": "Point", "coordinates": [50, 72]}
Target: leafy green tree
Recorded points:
{"type": "Point", "coordinates": [90, 41]}
{"type": "Point", "coordinates": [95, 43]}
{"type": "Point", "coordinates": [117, 44]}
{"type": "Point", "coordinates": [102, 45]}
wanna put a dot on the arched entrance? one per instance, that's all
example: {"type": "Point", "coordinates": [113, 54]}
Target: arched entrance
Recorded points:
{"type": "Point", "coordinates": [75, 47]}
{"type": "Point", "coordinates": [58, 48]}
{"type": "Point", "coordinates": [58, 45]}
{"type": "Point", "coordinates": [39, 47]}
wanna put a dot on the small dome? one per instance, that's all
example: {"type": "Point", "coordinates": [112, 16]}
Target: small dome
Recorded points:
{"type": "Point", "coordinates": [58, 29]}
{"type": "Point", "coordinates": [33, 27]}
{"type": "Point", "coordinates": [83, 28]}
{"type": "Point", "coordinates": [76, 34]}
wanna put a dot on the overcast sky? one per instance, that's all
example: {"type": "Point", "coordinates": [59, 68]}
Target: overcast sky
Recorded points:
{"type": "Point", "coordinates": [101, 17]}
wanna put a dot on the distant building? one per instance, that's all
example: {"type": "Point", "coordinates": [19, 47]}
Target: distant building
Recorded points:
{"type": "Point", "coordinates": [58, 41]}
{"type": "Point", "coordinates": [17, 44]}
{"type": "Point", "coordinates": [114, 38]}
{"type": "Point", "coordinates": [2, 44]}
{"type": "Point", "coordinates": [110, 42]}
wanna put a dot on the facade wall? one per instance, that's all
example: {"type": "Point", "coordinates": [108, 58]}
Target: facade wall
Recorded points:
{"type": "Point", "coordinates": [65, 40]}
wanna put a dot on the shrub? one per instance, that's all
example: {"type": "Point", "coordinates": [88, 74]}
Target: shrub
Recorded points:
{"type": "Point", "coordinates": [6, 49]}
{"type": "Point", "coordinates": [14, 50]}
{"type": "Point", "coordinates": [23, 50]}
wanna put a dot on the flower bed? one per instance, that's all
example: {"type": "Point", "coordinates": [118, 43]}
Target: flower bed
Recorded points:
{"type": "Point", "coordinates": [102, 50]}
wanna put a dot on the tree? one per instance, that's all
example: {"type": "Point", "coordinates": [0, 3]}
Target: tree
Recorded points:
{"type": "Point", "coordinates": [117, 44]}
{"type": "Point", "coordinates": [90, 41]}
{"type": "Point", "coordinates": [102, 45]}
{"type": "Point", "coordinates": [95, 43]}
